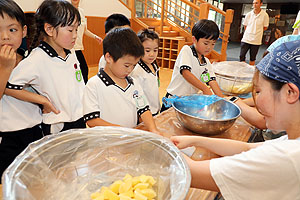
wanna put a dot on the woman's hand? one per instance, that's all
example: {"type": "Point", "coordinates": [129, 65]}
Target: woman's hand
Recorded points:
{"type": "Point", "coordinates": [183, 141]}
{"type": "Point", "coordinates": [8, 57]}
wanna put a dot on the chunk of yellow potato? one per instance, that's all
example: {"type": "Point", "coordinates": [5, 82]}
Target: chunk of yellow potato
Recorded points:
{"type": "Point", "coordinates": [131, 188]}
{"type": "Point", "coordinates": [124, 197]}
{"type": "Point", "coordinates": [135, 180]}
{"type": "Point", "coordinates": [149, 193]}
{"type": "Point", "coordinates": [151, 180]}
{"type": "Point", "coordinates": [139, 196]}
{"type": "Point", "coordinates": [141, 186]}
{"type": "Point", "coordinates": [95, 195]}
{"type": "Point", "coordinates": [129, 193]}
{"type": "Point", "coordinates": [115, 186]}
{"type": "Point", "coordinates": [125, 186]}
{"type": "Point", "coordinates": [127, 176]}
{"type": "Point", "coordinates": [110, 195]}
{"type": "Point", "coordinates": [144, 178]}
{"type": "Point", "coordinates": [100, 198]}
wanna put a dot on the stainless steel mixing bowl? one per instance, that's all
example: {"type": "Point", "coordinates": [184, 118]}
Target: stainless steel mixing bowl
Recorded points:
{"type": "Point", "coordinates": [209, 120]}
{"type": "Point", "coordinates": [76, 163]}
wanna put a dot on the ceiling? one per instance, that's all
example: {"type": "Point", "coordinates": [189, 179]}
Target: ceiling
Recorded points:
{"type": "Point", "coordinates": [265, 1]}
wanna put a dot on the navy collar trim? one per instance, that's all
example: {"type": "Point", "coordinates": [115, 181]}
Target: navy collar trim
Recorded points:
{"type": "Point", "coordinates": [105, 78]}
{"type": "Point", "coordinates": [146, 68]}
{"type": "Point", "coordinates": [51, 52]}
{"type": "Point", "coordinates": [196, 55]}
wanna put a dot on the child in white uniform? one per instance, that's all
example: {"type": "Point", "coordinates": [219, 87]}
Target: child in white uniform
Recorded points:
{"type": "Point", "coordinates": [112, 21]}
{"type": "Point", "coordinates": [192, 71]}
{"type": "Point", "coordinates": [19, 121]}
{"type": "Point", "coordinates": [112, 98]}
{"type": "Point", "coordinates": [52, 70]}
{"type": "Point", "coordinates": [147, 71]}
{"type": "Point", "coordinates": [254, 170]}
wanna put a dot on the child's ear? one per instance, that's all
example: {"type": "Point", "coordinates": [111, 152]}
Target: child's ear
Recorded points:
{"type": "Point", "coordinates": [24, 31]}
{"type": "Point", "coordinates": [108, 58]}
{"type": "Point", "coordinates": [194, 39]}
{"type": "Point", "coordinates": [49, 29]}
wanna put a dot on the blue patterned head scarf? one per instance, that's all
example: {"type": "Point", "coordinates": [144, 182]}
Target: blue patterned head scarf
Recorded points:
{"type": "Point", "coordinates": [283, 63]}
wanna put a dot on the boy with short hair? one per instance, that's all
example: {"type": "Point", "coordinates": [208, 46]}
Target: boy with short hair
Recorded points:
{"type": "Point", "coordinates": [112, 21]}
{"type": "Point", "coordinates": [192, 70]}
{"type": "Point", "coordinates": [111, 98]}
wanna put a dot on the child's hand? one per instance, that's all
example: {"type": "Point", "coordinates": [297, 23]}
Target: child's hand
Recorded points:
{"type": "Point", "coordinates": [48, 107]}
{"type": "Point", "coordinates": [8, 57]}
{"type": "Point", "coordinates": [182, 141]}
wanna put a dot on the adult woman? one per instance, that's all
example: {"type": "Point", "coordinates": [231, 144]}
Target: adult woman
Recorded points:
{"type": "Point", "coordinates": [254, 170]}
{"type": "Point", "coordinates": [82, 29]}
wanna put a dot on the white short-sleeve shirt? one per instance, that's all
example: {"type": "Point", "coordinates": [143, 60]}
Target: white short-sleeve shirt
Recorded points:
{"type": "Point", "coordinates": [149, 82]}
{"type": "Point", "coordinates": [17, 115]}
{"type": "Point", "coordinates": [59, 79]}
{"type": "Point", "coordinates": [80, 31]}
{"type": "Point", "coordinates": [255, 27]}
{"type": "Point", "coordinates": [270, 171]}
{"type": "Point", "coordinates": [104, 99]}
{"type": "Point", "coordinates": [188, 60]}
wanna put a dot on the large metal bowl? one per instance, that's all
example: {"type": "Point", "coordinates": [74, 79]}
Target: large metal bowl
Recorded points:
{"type": "Point", "coordinates": [212, 119]}
{"type": "Point", "coordinates": [76, 163]}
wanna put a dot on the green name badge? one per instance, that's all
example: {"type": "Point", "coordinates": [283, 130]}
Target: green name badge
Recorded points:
{"type": "Point", "coordinates": [205, 77]}
{"type": "Point", "coordinates": [78, 75]}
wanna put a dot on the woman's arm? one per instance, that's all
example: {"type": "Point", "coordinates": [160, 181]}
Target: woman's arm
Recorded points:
{"type": "Point", "coordinates": [201, 175]}
{"type": "Point", "coordinates": [251, 115]}
{"type": "Point", "coordinates": [193, 80]}
{"type": "Point", "coordinates": [25, 95]}
{"type": "Point", "coordinates": [222, 147]}
{"type": "Point", "coordinates": [249, 101]}
{"type": "Point", "coordinates": [8, 59]}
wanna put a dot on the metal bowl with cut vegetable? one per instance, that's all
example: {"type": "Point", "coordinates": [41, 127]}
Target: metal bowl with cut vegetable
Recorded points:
{"type": "Point", "coordinates": [209, 116]}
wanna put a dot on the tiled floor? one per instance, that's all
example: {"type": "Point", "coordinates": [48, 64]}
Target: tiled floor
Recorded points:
{"type": "Point", "coordinates": [233, 51]}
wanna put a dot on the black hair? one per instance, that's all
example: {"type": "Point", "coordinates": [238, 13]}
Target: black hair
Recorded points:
{"type": "Point", "coordinates": [147, 34]}
{"type": "Point", "coordinates": [207, 29]}
{"type": "Point", "coordinates": [12, 9]}
{"type": "Point", "coordinates": [121, 41]}
{"type": "Point", "coordinates": [56, 13]}
{"type": "Point", "coordinates": [115, 20]}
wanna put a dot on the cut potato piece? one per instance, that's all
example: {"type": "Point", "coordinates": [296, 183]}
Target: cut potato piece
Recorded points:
{"type": "Point", "coordinates": [129, 188]}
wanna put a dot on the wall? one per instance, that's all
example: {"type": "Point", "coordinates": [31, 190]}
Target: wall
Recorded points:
{"type": "Point", "coordinates": [100, 8]}
{"type": "Point", "coordinates": [96, 13]}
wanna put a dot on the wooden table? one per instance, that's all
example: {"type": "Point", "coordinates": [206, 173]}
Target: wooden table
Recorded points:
{"type": "Point", "coordinates": [167, 123]}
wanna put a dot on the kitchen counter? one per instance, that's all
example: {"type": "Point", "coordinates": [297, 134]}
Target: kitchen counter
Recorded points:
{"type": "Point", "coordinates": [168, 124]}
